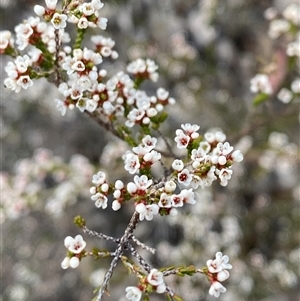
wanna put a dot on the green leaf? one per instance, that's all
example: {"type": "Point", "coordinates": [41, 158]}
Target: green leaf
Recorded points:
{"type": "Point", "coordinates": [260, 98]}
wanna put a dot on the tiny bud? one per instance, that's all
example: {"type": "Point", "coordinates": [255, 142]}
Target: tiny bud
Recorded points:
{"type": "Point", "coordinates": [39, 10]}
{"type": "Point", "coordinates": [131, 187]}
{"type": "Point", "coordinates": [119, 184]}
{"type": "Point", "coordinates": [65, 263]}
{"type": "Point", "coordinates": [116, 205]}
{"type": "Point", "coordinates": [117, 193]}
{"type": "Point", "coordinates": [170, 186]}
{"type": "Point", "coordinates": [74, 262]}
{"type": "Point", "coordinates": [93, 190]}
{"type": "Point", "coordinates": [222, 160]}
{"type": "Point", "coordinates": [105, 187]}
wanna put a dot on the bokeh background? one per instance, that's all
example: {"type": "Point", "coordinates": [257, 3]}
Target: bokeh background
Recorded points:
{"type": "Point", "coordinates": [207, 52]}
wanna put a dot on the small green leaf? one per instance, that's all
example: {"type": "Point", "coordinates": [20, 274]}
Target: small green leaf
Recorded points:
{"type": "Point", "coordinates": [260, 98]}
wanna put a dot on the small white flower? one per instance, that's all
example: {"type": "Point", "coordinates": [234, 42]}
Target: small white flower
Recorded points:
{"type": "Point", "coordinates": [178, 165]}
{"type": "Point", "coordinates": [24, 81]}
{"type": "Point", "coordinates": [216, 289]}
{"type": "Point", "coordinates": [147, 211]}
{"type": "Point", "coordinates": [295, 86]}
{"type": "Point", "coordinates": [142, 182]}
{"type": "Point", "coordinates": [155, 277]}
{"type": "Point", "coordinates": [285, 95]}
{"type": "Point", "coordinates": [83, 23]}
{"type": "Point", "coordinates": [100, 200]}
{"type": "Point", "coordinates": [75, 245]}
{"type": "Point", "coordinates": [133, 293]}
{"type": "Point", "coordinates": [185, 177]}
{"type": "Point", "coordinates": [59, 21]}
{"type": "Point", "coordinates": [99, 178]}
{"type": "Point", "coordinates": [177, 200]}
{"type": "Point", "coordinates": [61, 106]}
{"type": "Point", "coordinates": [261, 83]}
{"type": "Point", "coordinates": [237, 156]}
{"type": "Point", "coordinates": [132, 163]}
{"type": "Point", "coordinates": [165, 201]}
{"type": "Point", "coordinates": [182, 139]}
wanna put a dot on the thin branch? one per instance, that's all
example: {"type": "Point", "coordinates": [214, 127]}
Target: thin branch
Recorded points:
{"type": "Point", "coordinates": [100, 235]}
{"type": "Point", "coordinates": [142, 245]}
{"type": "Point", "coordinates": [118, 253]}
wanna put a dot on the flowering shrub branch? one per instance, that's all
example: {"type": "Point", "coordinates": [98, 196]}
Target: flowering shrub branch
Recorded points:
{"type": "Point", "coordinates": [120, 106]}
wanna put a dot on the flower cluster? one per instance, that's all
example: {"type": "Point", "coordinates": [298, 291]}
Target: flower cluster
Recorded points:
{"type": "Point", "coordinates": [75, 247]}
{"type": "Point", "coordinates": [211, 158]}
{"type": "Point", "coordinates": [271, 82]}
{"type": "Point", "coordinates": [217, 273]}
{"type": "Point", "coordinates": [30, 183]}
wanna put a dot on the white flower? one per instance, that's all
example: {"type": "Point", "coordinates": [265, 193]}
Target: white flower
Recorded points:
{"type": "Point", "coordinates": [223, 275]}
{"type": "Point", "coordinates": [102, 23]}
{"type": "Point", "coordinates": [87, 9]}
{"type": "Point", "coordinates": [237, 156]}
{"type": "Point", "coordinates": [75, 245]}
{"type": "Point", "coordinates": [219, 264]}
{"type": "Point", "coordinates": [198, 155]}
{"type": "Point", "coordinates": [185, 177]}
{"type": "Point", "coordinates": [152, 157]}
{"type": "Point", "coordinates": [188, 196]}
{"type": "Point", "coordinates": [99, 178]}
{"type": "Point", "coordinates": [165, 201]}
{"type": "Point", "coordinates": [133, 293]}
{"type": "Point", "coordinates": [155, 277]}
{"type": "Point", "coordinates": [170, 186]}
{"type": "Point", "coordinates": [59, 21]}
{"type": "Point", "coordinates": [182, 139]}
{"type": "Point", "coordinates": [142, 182]}
{"type": "Point", "coordinates": [149, 142]}
{"type": "Point", "coordinates": [216, 288]}
{"type": "Point", "coordinates": [147, 211]}
{"type": "Point", "coordinates": [116, 205]}
{"type": "Point", "coordinates": [24, 81]}
{"type": "Point", "coordinates": [295, 86]}
{"type": "Point", "coordinates": [278, 27]}
{"type": "Point", "coordinates": [51, 4]}
{"type": "Point", "coordinates": [225, 175]}
{"type": "Point", "coordinates": [83, 23]}
{"type": "Point", "coordinates": [161, 288]}
{"type": "Point", "coordinates": [178, 165]}
{"type": "Point", "coordinates": [162, 94]}
{"type": "Point", "coordinates": [177, 200]}
{"type": "Point", "coordinates": [39, 10]}
{"type": "Point", "coordinates": [132, 163]}
{"type": "Point", "coordinates": [191, 130]}
{"type": "Point", "coordinates": [61, 106]}
{"type": "Point", "coordinates": [100, 200]}
{"type": "Point", "coordinates": [285, 95]}
{"type": "Point", "coordinates": [119, 184]}
{"type": "Point", "coordinates": [65, 263]}
{"type": "Point", "coordinates": [261, 83]}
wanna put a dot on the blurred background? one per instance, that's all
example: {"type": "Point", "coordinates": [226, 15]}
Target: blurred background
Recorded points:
{"type": "Point", "coordinates": [207, 52]}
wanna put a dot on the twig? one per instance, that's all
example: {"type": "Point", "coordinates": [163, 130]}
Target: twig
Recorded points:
{"type": "Point", "coordinates": [118, 253]}
{"type": "Point", "coordinates": [100, 235]}
{"type": "Point", "coordinates": [142, 245]}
